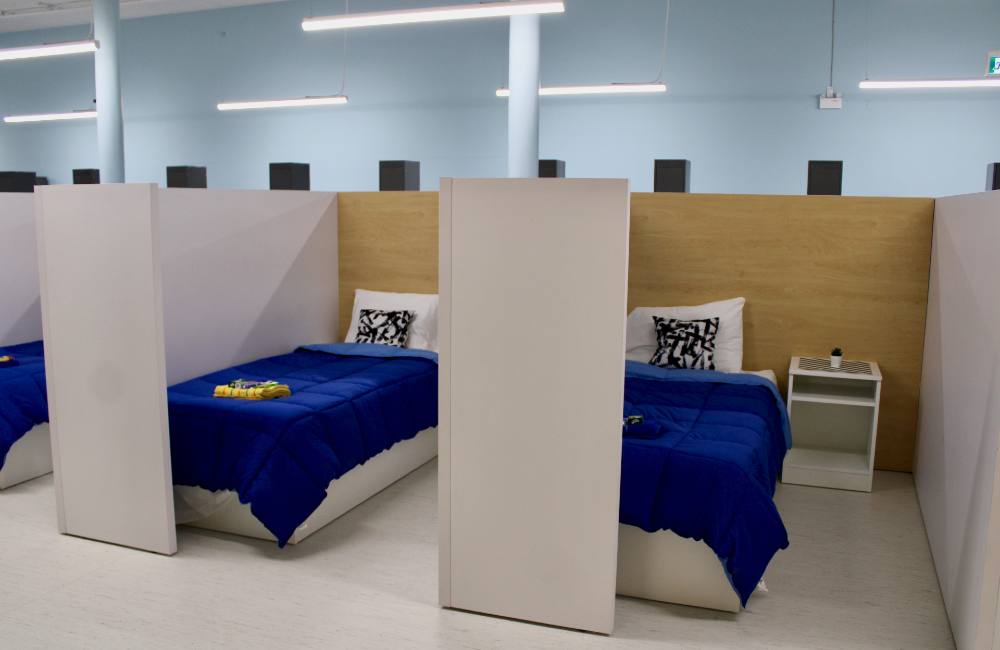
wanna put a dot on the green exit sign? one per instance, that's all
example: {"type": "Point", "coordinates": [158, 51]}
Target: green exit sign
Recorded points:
{"type": "Point", "coordinates": [993, 67]}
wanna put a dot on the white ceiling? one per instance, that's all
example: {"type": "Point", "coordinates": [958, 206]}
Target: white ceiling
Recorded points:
{"type": "Point", "coordinates": [22, 15]}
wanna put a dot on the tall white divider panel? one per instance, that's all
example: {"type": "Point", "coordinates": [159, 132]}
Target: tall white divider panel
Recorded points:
{"type": "Point", "coordinates": [957, 468]}
{"type": "Point", "coordinates": [144, 287]}
{"type": "Point", "coordinates": [532, 336]}
{"type": "Point", "coordinates": [20, 316]}
{"type": "Point", "coordinates": [102, 316]}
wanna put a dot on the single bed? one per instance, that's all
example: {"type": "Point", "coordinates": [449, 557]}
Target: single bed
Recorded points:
{"type": "Point", "coordinates": [698, 520]}
{"type": "Point", "coordinates": [25, 451]}
{"type": "Point", "coordinates": [360, 417]}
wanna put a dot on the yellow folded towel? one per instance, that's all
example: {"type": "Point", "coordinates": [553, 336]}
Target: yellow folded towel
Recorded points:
{"type": "Point", "coordinates": [253, 390]}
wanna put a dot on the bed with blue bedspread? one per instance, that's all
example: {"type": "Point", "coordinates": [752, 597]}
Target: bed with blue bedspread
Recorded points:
{"type": "Point", "coordinates": [349, 402]}
{"type": "Point", "coordinates": [705, 463]}
{"type": "Point", "coordinates": [23, 401]}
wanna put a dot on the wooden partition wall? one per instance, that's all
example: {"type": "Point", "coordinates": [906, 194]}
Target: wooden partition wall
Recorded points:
{"type": "Point", "coordinates": [817, 272]}
{"type": "Point", "coordinates": [388, 242]}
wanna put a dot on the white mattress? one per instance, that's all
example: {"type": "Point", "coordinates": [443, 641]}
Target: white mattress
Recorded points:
{"type": "Point", "coordinates": [766, 374]}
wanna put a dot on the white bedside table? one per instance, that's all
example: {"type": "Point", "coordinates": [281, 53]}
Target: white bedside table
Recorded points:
{"type": "Point", "coordinates": [834, 416]}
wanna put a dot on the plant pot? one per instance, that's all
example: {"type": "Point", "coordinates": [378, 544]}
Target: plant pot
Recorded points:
{"type": "Point", "coordinates": [835, 361]}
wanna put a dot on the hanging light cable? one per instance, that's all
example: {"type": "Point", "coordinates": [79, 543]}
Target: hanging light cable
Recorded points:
{"type": "Point", "coordinates": [299, 102]}
{"type": "Point", "coordinates": [974, 83]}
{"type": "Point", "coordinates": [831, 99]}
{"type": "Point", "coordinates": [616, 88]}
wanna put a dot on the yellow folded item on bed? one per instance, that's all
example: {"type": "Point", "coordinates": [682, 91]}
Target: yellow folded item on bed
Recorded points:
{"type": "Point", "coordinates": [267, 390]}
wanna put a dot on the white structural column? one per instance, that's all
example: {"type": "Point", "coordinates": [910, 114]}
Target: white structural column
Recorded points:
{"type": "Point", "coordinates": [110, 129]}
{"type": "Point", "coordinates": [522, 107]}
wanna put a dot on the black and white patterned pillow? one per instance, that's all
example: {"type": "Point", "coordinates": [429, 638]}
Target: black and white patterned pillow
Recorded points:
{"type": "Point", "coordinates": [384, 327]}
{"type": "Point", "coordinates": [685, 343]}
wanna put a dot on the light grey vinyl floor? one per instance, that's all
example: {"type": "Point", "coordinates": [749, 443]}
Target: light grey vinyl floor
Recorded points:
{"type": "Point", "coordinates": [858, 575]}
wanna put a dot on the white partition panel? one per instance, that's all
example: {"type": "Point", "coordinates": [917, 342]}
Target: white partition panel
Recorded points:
{"type": "Point", "coordinates": [168, 285]}
{"type": "Point", "coordinates": [533, 297]}
{"type": "Point", "coordinates": [104, 363]}
{"type": "Point", "coordinates": [20, 315]}
{"type": "Point", "coordinates": [246, 274]}
{"type": "Point", "coordinates": [956, 471]}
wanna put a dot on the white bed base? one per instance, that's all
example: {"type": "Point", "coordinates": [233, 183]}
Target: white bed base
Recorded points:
{"type": "Point", "coordinates": [29, 458]}
{"type": "Point", "coordinates": [667, 567]}
{"type": "Point", "coordinates": [350, 490]}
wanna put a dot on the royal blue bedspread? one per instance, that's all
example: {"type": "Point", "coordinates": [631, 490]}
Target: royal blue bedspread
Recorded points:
{"type": "Point", "coordinates": [705, 463]}
{"type": "Point", "coordinates": [23, 402]}
{"type": "Point", "coordinates": [349, 403]}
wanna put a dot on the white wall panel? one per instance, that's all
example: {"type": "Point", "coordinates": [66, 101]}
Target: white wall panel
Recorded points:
{"type": "Point", "coordinates": [956, 467]}
{"type": "Point", "coordinates": [104, 362]}
{"type": "Point", "coordinates": [20, 314]}
{"type": "Point", "coordinates": [246, 274]}
{"type": "Point", "coordinates": [533, 287]}
{"type": "Point", "coordinates": [143, 288]}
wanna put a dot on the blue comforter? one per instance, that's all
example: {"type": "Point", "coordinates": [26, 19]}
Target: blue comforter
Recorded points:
{"type": "Point", "coordinates": [23, 402]}
{"type": "Point", "coordinates": [349, 403]}
{"type": "Point", "coordinates": [705, 463]}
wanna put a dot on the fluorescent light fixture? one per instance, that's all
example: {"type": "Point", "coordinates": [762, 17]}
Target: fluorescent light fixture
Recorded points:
{"type": "Point", "coordinates": [604, 89]}
{"type": "Point", "coordinates": [50, 117]}
{"type": "Point", "coordinates": [53, 49]}
{"type": "Point", "coordinates": [301, 102]}
{"type": "Point", "coordinates": [434, 14]}
{"type": "Point", "coordinates": [932, 84]}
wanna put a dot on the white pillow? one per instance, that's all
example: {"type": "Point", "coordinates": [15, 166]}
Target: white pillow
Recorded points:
{"type": "Point", "coordinates": [423, 327]}
{"type": "Point", "coordinates": [640, 333]}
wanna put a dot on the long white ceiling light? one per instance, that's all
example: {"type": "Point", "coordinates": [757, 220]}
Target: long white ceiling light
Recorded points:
{"type": "Point", "coordinates": [52, 49]}
{"type": "Point", "coordinates": [301, 102]}
{"type": "Point", "coordinates": [50, 117]}
{"type": "Point", "coordinates": [434, 14]}
{"type": "Point", "coordinates": [602, 89]}
{"type": "Point", "coordinates": [931, 84]}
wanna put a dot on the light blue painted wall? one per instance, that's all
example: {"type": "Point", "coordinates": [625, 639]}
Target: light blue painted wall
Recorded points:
{"type": "Point", "coordinates": [743, 78]}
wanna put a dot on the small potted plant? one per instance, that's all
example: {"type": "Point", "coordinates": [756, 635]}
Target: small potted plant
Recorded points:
{"type": "Point", "coordinates": [836, 356]}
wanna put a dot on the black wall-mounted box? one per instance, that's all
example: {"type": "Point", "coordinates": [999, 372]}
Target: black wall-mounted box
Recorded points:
{"type": "Point", "coordinates": [826, 177]}
{"type": "Point", "coordinates": [672, 176]}
{"type": "Point", "coordinates": [289, 176]}
{"type": "Point", "coordinates": [187, 177]}
{"type": "Point", "coordinates": [993, 177]}
{"type": "Point", "coordinates": [86, 176]}
{"type": "Point", "coordinates": [552, 169]}
{"type": "Point", "coordinates": [17, 181]}
{"type": "Point", "coordinates": [398, 175]}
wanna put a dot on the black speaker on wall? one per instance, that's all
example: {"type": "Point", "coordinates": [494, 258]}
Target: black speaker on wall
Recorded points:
{"type": "Point", "coordinates": [289, 176]}
{"type": "Point", "coordinates": [551, 169]}
{"type": "Point", "coordinates": [187, 177]}
{"type": "Point", "coordinates": [17, 181]}
{"type": "Point", "coordinates": [825, 177]}
{"type": "Point", "coordinates": [672, 176]}
{"type": "Point", "coordinates": [993, 177]}
{"type": "Point", "coordinates": [86, 176]}
{"type": "Point", "coordinates": [398, 176]}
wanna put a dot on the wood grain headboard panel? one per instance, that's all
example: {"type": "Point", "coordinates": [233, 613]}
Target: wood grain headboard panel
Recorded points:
{"type": "Point", "coordinates": [817, 272]}
{"type": "Point", "coordinates": [388, 242]}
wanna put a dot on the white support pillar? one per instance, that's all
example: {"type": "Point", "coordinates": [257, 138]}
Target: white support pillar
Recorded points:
{"type": "Point", "coordinates": [110, 128]}
{"type": "Point", "coordinates": [522, 106]}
